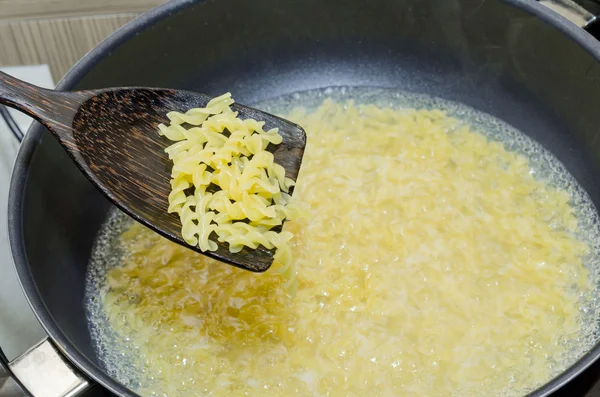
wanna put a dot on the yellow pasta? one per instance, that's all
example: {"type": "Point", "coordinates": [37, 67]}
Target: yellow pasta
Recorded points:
{"type": "Point", "coordinates": [223, 150]}
{"type": "Point", "coordinates": [434, 264]}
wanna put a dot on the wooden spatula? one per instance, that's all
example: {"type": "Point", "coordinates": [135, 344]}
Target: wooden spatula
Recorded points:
{"type": "Point", "coordinates": [111, 134]}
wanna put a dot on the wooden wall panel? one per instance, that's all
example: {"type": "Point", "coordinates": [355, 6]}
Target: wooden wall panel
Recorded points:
{"type": "Point", "coordinates": [28, 9]}
{"type": "Point", "coordinates": [60, 32]}
{"type": "Point", "coordinates": [58, 42]}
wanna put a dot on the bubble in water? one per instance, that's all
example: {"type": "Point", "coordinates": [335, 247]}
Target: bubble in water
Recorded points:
{"type": "Point", "coordinates": [118, 358]}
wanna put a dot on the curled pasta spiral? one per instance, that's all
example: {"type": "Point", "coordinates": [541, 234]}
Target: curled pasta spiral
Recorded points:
{"type": "Point", "coordinates": [214, 147]}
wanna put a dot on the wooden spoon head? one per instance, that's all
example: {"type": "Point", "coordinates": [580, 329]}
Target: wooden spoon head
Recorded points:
{"type": "Point", "coordinates": [115, 132]}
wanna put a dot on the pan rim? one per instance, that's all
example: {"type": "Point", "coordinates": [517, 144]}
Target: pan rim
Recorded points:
{"type": "Point", "coordinates": [88, 62]}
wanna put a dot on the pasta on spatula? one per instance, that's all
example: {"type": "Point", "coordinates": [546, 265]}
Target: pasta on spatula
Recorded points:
{"type": "Point", "coordinates": [225, 182]}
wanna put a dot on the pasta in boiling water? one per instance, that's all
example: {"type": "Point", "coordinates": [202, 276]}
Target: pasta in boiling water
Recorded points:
{"type": "Point", "coordinates": [223, 150]}
{"type": "Point", "coordinates": [434, 263]}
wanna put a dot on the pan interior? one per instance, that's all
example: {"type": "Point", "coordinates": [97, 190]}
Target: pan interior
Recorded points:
{"type": "Point", "coordinates": [117, 354]}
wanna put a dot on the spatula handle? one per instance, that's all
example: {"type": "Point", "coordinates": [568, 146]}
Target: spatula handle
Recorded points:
{"type": "Point", "coordinates": [54, 109]}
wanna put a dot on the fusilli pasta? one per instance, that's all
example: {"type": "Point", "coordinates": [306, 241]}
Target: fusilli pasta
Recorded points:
{"type": "Point", "coordinates": [215, 148]}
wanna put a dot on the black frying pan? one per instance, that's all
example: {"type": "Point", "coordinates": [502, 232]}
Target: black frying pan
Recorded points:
{"type": "Point", "coordinates": [513, 59]}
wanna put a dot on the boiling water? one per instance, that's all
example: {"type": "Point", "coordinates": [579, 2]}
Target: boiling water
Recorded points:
{"type": "Point", "coordinates": [119, 356]}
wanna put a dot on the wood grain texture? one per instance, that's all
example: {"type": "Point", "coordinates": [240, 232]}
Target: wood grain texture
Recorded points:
{"type": "Point", "coordinates": [60, 42]}
{"type": "Point", "coordinates": [32, 9]}
{"type": "Point", "coordinates": [112, 135]}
